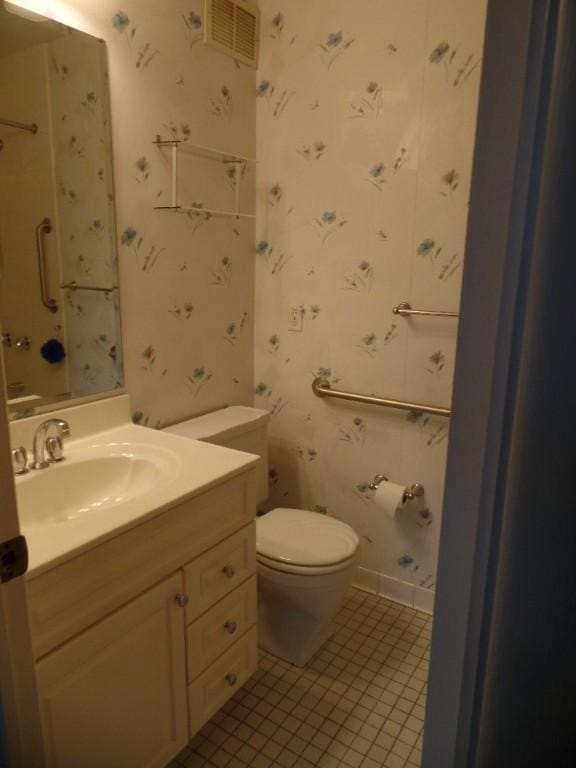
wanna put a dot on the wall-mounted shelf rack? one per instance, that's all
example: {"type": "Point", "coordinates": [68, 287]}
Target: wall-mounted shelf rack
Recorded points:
{"type": "Point", "coordinates": [227, 158]}
{"type": "Point", "coordinates": [199, 211]}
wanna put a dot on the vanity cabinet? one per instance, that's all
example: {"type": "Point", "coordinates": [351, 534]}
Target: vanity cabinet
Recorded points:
{"type": "Point", "coordinates": [116, 694]}
{"type": "Point", "coordinates": [140, 640]}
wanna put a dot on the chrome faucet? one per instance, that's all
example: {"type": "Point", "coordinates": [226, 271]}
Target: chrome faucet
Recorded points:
{"type": "Point", "coordinates": [54, 445]}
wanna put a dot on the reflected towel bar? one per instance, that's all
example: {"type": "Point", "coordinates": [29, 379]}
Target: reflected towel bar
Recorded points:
{"type": "Point", "coordinates": [322, 388]}
{"type": "Point", "coordinates": [30, 127]}
{"type": "Point", "coordinates": [74, 286]}
{"type": "Point", "coordinates": [405, 310]}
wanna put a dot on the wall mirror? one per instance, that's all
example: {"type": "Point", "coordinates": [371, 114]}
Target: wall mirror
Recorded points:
{"type": "Point", "coordinates": [59, 304]}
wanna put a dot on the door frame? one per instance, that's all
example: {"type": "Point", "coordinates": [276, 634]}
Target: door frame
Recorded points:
{"type": "Point", "coordinates": [19, 714]}
{"type": "Point", "coordinates": [508, 159]}
{"type": "Point", "coordinates": [496, 268]}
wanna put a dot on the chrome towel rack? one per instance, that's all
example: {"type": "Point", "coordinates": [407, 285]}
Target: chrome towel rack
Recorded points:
{"type": "Point", "coordinates": [322, 388]}
{"type": "Point", "coordinates": [30, 127]}
{"type": "Point", "coordinates": [405, 310]}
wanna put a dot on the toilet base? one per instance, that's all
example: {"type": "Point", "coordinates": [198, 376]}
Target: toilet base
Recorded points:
{"type": "Point", "coordinates": [296, 612]}
{"type": "Point", "coordinates": [301, 656]}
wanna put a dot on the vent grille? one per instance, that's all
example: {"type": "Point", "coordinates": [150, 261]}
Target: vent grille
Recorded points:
{"type": "Point", "coordinates": [232, 27]}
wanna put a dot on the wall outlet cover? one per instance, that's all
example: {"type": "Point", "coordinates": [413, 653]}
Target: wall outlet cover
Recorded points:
{"type": "Point", "coordinates": [296, 319]}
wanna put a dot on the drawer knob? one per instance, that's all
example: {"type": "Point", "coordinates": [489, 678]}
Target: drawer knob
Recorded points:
{"type": "Point", "coordinates": [182, 600]}
{"type": "Point", "coordinates": [231, 679]}
{"type": "Point", "coordinates": [229, 571]}
{"type": "Point", "coordinates": [230, 627]}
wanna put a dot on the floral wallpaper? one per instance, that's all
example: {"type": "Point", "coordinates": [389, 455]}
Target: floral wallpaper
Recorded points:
{"type": "Point", "coordinates": [187, 279]}
{"type": "Point", "coordinates": [365, 118]}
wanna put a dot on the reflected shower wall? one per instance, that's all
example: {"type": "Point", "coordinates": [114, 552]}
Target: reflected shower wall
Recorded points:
{"type": "Point", "coordinates": [64, 173]}
{"type": "Point", "coordinates": [78, 81]}
{"type": "Point", "coordinates": [26, 198]}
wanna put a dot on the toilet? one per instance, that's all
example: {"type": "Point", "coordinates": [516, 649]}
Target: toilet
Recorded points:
{"type": "Point", "coordinates": [306, 561]}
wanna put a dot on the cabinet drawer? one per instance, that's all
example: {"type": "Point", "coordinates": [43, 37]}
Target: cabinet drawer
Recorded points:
{"type": "Point", "coordinates": [209, 692]}
{"type": "Point", "coordinates": [215, 573]}
{"type": "Point", "coordinates": [218, 629]}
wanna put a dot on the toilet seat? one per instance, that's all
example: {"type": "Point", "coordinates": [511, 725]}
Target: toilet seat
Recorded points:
{"type": "Point", "coordinates": [302, 542]}
{"type": "Point", "coordinates": [302, 570]}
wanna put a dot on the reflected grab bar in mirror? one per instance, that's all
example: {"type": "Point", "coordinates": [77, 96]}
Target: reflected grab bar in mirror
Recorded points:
{"type": "Point", "coordinates": [405, 310]}
{"type": "Point", "coordinates": [322, 388]}
{"type": "Point", "coordinates": [45, 227]}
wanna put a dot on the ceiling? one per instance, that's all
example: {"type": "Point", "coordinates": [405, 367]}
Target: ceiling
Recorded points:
{"type": "Point", "coordinates": [18, 33]}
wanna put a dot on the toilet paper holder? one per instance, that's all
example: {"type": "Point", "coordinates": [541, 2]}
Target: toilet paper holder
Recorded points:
{"type": "Point", "coordinates": [410, 492]}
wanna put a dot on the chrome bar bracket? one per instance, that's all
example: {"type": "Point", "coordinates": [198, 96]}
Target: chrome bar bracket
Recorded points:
{"type": "Point", "coordinates": [377, 480]}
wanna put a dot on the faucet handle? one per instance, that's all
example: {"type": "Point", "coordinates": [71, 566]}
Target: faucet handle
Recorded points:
{"type": "Point", "coordinates": [20, 461]}
{"type": "Point", "coordinates": [23, 343]}
{"type": "Point", "coordinates": [55, 448]}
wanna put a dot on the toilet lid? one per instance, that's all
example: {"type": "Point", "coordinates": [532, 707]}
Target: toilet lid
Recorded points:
{"type": "Point", "coordinates": [306, 538]}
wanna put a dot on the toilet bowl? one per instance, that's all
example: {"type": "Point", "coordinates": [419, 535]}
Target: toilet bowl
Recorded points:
{"type": "Point", "coordinates": [306, 563]}
{"type": "Point", "coordinates": [305, 560]}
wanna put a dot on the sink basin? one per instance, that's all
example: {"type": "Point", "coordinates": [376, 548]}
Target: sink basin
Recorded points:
{"type": "Point", "coordinates": [111, 481]}
{"type": "Point", "coordinates": [92, 480]}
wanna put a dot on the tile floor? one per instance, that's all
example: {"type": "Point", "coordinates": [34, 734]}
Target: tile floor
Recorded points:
{"type": "Point", "coordinates": [359, 703]}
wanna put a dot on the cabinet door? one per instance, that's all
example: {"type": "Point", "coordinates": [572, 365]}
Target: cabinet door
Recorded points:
{"type": "Point", "coordinates": [115, 696]}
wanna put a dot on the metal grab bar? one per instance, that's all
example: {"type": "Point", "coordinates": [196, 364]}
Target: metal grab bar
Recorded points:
{"type": "Point", "coordinates": [322, 388]}
{"type": "Point", "coordinates": [74, 286]}
{"type": "Point", "coordinates": [30, 127]}
{"type": "Point", "coordinates": [45, 227]}
{"type": "Point", "coordinates": [405, 310]}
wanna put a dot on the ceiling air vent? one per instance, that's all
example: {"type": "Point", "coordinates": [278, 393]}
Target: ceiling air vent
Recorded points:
{"type": "Point", "coordinates": [232, 27]}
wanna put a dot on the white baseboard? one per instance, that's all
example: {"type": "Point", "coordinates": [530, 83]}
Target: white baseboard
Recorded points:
{"type": "Point", "coordinates": [424, 599]}
{"type": "Point", "coordinates": [395, 589]}
{"type": "Point", "coordinates": [366, 580]}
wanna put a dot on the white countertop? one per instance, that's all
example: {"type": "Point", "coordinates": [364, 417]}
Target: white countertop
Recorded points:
{"type": "Point", "coordinates": [186, 469]}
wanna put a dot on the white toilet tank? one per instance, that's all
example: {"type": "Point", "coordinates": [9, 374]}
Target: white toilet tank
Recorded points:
{"type": "Point", "coordinates": [238, 427]}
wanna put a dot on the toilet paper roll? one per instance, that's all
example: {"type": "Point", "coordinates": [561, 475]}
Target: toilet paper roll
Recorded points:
{"type": "Point", "coordinates": [389, 498]}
